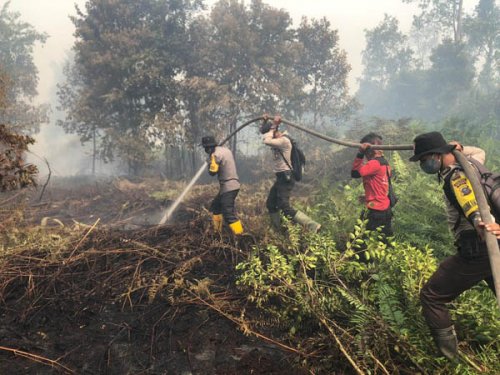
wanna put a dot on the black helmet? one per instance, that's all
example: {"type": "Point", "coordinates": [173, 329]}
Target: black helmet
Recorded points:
{"type": "Point", "coordinates": [208, 141]}
{"type": "Point", "coordinates": [265, 127]}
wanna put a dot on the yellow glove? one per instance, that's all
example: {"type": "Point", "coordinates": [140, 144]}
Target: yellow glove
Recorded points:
{"type": "Point", "coordinates": [214, 167]}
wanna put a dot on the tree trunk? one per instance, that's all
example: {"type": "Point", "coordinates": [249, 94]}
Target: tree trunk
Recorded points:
{"type": "Point", "coordinates": [166, 160]}
{"type": "Point", "coordinates": [94, 151]}
{"type": "Point", "coordinates": [233, 141]}
{"type": "Point", "coordinates": [193, 160]}
{"type": "Point", "coordinates": [315, 104]}
{"type": "Point", "coordinates": [182, 161]}
{"type": "Point", "coordinates": [169, 155]}
{"type": "Point", "coordinates": [485, 77]}
{"type": "Point", "coordinates": [458, 23]}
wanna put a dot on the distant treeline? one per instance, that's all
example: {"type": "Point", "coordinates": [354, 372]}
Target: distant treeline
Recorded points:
{"type": "Point", "coordinates": [447, 65]}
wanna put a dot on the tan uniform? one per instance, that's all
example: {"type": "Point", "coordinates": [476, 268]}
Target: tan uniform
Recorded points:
{"type": "Point", "coordinates": [282, 144]}
{"type": "Point", "coordinates": [227, 174]}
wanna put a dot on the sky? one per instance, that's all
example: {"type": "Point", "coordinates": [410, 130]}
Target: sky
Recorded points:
{"type": "Point", "coordinates": [349, 17]}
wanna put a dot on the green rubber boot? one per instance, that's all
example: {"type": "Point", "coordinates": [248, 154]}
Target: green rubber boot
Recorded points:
{"type": "Point", "coordinates": [304, 220]}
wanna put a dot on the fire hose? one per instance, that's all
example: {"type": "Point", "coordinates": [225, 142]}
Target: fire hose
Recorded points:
{"type": "Point", "coordinates": [484, 208]}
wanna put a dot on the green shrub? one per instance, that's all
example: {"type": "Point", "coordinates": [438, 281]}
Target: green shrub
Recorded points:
{"type": "Point", "coordinates": [370, 313]}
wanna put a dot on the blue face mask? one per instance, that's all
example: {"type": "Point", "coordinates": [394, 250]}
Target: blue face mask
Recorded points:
{"type": "Point", "coordinates": [431, 166]}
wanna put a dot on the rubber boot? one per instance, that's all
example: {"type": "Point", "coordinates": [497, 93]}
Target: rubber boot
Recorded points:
{"type": "Point", "coordinates": [446, 341]}
{"type": "Point", "coordinates": [217, 223]}
{"type": "Point", "coordinates": [236, 228]}
{"type": "Point", "coordinates": [302, 219]}
{"type": "Point", "coordinates": [275, 220]}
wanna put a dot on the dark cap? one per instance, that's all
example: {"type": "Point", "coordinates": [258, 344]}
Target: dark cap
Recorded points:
{"type": "Point", "coordinates": [208, 141]}
{"type": "Point", "coordinates": [430, 143]}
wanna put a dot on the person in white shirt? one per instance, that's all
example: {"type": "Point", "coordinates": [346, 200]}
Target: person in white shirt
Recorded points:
{"type": "Point", "coordinates": [278, 200]}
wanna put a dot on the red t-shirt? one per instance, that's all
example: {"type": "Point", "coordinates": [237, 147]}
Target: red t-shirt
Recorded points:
{"type": "Point", "coordinates": [375, 182]}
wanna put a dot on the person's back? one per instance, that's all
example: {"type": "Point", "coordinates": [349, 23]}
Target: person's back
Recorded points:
{"type": "Point", "coordinates": [221, 164]}
{"type": "Point", "coordinates": [227, 173]}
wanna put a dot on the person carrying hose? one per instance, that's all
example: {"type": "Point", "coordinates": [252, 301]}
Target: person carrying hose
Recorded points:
{"type": "Point", "coordinates": [375, 173]}
{"type": "Point", "coordinates": [278, 200]}
{"type": "Point", "coordinates": [471, 264]}
{"type": "Point", "coordinates": [221, 163]}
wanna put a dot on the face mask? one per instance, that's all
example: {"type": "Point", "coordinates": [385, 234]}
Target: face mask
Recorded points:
{"type": "Point", "coordinates": [209, 150]}
{"type": "Point", "coordinates": [431, 166]}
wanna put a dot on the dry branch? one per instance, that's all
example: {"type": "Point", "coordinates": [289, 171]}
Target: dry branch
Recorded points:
{"type": "Point", "coordinates": [39, 359]}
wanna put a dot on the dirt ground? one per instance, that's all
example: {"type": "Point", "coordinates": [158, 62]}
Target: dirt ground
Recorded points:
{"type": "Point", "coordinates": [106, 301]}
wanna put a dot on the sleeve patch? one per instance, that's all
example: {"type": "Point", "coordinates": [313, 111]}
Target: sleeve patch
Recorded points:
{"type": "Point", "coordinates": [464, 193]}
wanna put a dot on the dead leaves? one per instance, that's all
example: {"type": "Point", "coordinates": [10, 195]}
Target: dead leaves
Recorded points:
{"type": "Point", "coordinates": [14, 173]}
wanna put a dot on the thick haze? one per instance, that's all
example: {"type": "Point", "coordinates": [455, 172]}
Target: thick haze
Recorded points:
{"type": "Point", "coordinates": [350, 18]}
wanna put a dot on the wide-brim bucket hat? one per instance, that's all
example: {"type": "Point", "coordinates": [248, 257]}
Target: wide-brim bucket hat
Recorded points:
{"type": "Point", "coordinates": [430, 143]}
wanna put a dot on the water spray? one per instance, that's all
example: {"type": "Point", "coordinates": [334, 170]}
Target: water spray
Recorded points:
{"type": "Point", "coordinates": [173, 207]}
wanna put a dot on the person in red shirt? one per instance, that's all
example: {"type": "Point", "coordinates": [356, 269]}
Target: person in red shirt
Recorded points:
{"type": "Point", "coordinates": [375, 173]}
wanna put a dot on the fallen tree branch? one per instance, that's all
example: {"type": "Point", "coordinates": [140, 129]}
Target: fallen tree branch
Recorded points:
{"type": "Point", "coordinates": [46, 182]}
{"type": "Point", "coordinates": [39, 359]}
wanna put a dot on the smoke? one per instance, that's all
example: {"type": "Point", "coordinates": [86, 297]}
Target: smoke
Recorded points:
{"type": "Point", "coordinates": [64, 152]}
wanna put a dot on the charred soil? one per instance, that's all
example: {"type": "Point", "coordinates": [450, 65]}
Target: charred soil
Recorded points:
{"type": "Point", "coordinates": [89, 286]}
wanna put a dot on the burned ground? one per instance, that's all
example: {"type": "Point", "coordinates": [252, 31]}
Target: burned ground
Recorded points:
{"type": "Point", "coordinates": [89, 286]}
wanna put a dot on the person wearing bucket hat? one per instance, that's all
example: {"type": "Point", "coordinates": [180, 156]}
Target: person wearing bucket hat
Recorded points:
{"type": "Point", "coordinates": [470, 265]}
{"type": "Point", "coordinates": [221, 163]}
{"type": "Point", "coordinates": [431, 143]}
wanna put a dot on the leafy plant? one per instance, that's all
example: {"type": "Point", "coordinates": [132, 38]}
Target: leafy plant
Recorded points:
{"type": "Point", "coordinates": [369, 312]}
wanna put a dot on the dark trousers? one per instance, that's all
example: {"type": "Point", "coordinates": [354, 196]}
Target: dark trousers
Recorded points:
{"type": "Point", "coordinates": [279, 195]}
{"type": "Point", "coordinates": [379, 219]}
{"type": "Point", "coordinates": [224, 204]}
{"type": "Point", "coordinates": [455, 275]}
{"type": "Point", "coordinates": [376, 219]}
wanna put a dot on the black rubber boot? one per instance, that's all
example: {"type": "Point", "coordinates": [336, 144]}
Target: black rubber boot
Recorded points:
{"type": "Point", "coordinates": [446, 341]}
{"type": "Point", "coordinates": [275, 218]}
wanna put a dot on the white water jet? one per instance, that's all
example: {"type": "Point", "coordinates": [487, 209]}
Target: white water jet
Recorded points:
{"type": "Point", "coordinates": [171, 209]}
